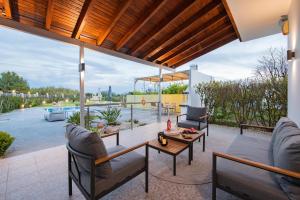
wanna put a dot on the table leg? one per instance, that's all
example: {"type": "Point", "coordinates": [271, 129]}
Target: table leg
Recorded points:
{"type": "Point", "coordinates": [190, 154]}
{"type": "Point", "coordinates": [203, 143]}
{"type": "Point", "coordinates": [192, 151]}
{"type": "Point", "coordinates": [174, 165]}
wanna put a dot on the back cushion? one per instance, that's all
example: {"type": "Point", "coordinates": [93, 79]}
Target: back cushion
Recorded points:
{"type": "Point", "coordinates": [288, 157]}
{"type": "Point", "coordinates": [87, 142]}
{"type": "Point", "coordinates": [194, 113]}
{"type": "Point", "coordinates": [280, 130]}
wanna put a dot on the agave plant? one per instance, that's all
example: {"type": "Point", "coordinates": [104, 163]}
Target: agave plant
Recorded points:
{"type": "Point", "coordinates": [111, 115]}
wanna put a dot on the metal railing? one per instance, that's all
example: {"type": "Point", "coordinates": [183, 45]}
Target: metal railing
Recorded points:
{"type": "Point", "coordinates": [122, 104]}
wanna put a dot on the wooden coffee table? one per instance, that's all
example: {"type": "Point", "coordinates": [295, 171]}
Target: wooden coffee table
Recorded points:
{"type": "Point", "coordinates": [173, 148]}
{"type": "Point", "coordinates": [189, 142]}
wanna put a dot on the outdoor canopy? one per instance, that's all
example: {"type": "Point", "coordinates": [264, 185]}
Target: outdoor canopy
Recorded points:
{"type": "Point", "coordinates": [161, 33]}
{"type": "Point", "coordinates": [168, 77]}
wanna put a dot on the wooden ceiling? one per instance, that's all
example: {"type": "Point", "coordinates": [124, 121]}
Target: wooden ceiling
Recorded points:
{"type": "Point", "coordinates": [166, 32]}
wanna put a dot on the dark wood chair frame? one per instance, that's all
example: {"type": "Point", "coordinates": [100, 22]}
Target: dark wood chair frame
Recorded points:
{"type": "Point", "coordinates": [73, 154]}
{"type": "Point", "coordinates": [247, 126]}
{"type": "Point", "coordinates": [205, 117]}
{"type": "Point", "coordinates": [236, 159]}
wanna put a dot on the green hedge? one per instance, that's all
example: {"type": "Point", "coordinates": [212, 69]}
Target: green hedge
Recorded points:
{"type": "Point", "coordinates": [5, 141]}
{"type": "Point", "coordinates": [249, 101]}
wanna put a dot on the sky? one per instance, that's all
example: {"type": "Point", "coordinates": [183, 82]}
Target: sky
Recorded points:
{"type": "Point", "coordinates": [44, 62]}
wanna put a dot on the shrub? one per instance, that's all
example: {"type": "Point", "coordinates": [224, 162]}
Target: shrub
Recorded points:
{"type": "Point", "coordinates": [75, 119]}
{"type": "Point", "coordinates": [5, 141]}
{"type": "Point", "coordinates": [111, 115]}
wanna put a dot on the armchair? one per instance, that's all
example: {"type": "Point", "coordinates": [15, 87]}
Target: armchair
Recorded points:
{"type": "Point", "coordinates": [96, 170]}
{"type": "Point", "coordinates": [196, 117]}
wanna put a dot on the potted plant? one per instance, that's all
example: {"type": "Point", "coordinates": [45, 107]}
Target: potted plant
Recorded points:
{"type": "Point", "coordinates": [111, 116]}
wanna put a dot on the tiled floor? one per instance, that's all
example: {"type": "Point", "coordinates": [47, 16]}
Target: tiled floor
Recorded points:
{"type": "Point", "coordinates": [43, 174]}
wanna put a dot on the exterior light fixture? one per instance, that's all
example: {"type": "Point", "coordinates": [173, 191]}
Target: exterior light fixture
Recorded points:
{"type": "Point", "coordinates": [2, 11]}
{"type": "Point", "coordinates": [290, 55]}
{"type": "Point", "coordinates": [81, 67]}
{"type": "Point", "coordinates": [284, 24]}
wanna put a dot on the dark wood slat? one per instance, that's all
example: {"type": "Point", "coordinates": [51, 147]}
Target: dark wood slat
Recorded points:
{"type": "Point", "coordinates": [189, 37]}
{"type": "Point", "coordinates": [210, 47]}
{"type": "Point", "coordinates": [118, 15]}
{"type": "Point", "coordinates": [177, 13]}
{"type": "Point", "coordinates": [81, 19]}
{"type": "Point", "coordinates": [231, 19]}
{"type": "Point", "coordinates": [214, 34]}
{"type": "Point", "coordinates": [120, 153]}
{"type": "Point", "coordinates": [49, 14]}
{"type": "Point", "coordinates": [7, 7]}
{"type": "Point", "coordinates": [202, 12]}
{"type": "Point", "coordinates": [141, 22]}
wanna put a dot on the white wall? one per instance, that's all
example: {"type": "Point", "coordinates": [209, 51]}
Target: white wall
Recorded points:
{"type": "Point", "coordinates": [195, 78]}
{"type": "Point", "coordinates": [294, 65]}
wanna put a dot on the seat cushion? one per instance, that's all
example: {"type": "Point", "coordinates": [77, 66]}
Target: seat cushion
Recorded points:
{"type": "Point", "coordinates": [123, 167]}
{"type": "Point", "coordinates": [192, 124]}
{"type": "Point", "coordinates": [87, 142]}
{"type": "Point", "coordinates": [249, 182]}
{"type": "Point", "coordinates": [194, 113]}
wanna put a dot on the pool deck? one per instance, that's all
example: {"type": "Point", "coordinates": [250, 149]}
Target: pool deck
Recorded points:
{"type": "Point", "coordinates": [33, 132]}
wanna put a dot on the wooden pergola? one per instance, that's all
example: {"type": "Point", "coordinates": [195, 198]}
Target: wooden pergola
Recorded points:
{"type": "Point", "coordinates": [162, 32]}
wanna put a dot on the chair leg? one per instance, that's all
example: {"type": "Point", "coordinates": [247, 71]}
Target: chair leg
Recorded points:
{"type": "Point", "coordinates": [147, 170]}
{"type": "Point", "coordinates": [70, 186]}
{"type": "Point", "coordinates": [214, 178]}
{"type": "Point", "coordinates": [207, 130]}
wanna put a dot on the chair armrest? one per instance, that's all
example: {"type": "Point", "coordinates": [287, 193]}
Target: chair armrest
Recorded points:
{"type": "Point", "coordinates": [262, 166]}
{"type": "Point", "coordinates": [266, 128]}
{"type": "Point", "coordinates": [180, 115]}
{"type": "Point", "coordinates": [120, 153]}
{"type": "Point", "coordinates": [204, 117]}
{"type": "Point", "coordinates": [110, 134]}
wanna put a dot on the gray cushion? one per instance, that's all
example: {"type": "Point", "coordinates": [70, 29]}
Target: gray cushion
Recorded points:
{"type": "Point", "coordinates": [89, 143]}
{"type": "Point", "coordinates": [194, 113]}
{"type": "Point", "coordinates": [278, 134]}
{"type": "Point", "coordinates": [122, 167]}
{"type": "Point", "coordinates": [192, 124]}
{"type": "Point", "coordinates": [288, 157]}
{"type": "Point", "coordinates": [250, 182]}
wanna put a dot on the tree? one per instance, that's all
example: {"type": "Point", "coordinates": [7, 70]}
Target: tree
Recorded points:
{"type": "Point", "coordinates": [12, 81]}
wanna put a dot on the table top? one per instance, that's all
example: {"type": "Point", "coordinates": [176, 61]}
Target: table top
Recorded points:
{"type": "Point", "coordinates": [173, 146]}
{"type": "Point", "coordinates": [180, 138]}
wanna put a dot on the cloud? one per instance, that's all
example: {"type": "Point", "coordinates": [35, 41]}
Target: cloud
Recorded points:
{"type": "Point", "coordinates": [45, 62]}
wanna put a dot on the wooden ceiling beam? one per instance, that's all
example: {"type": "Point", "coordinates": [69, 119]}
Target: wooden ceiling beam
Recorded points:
{"type": "Point", "coordinates": [177, 13]}
{"type": "Point", "coordinates": [141, 22]}
{"type": "Point", "coordinates": [49, 14]}
{"type": "Point", "coordinates": [7, 7]}
{"type": "Point", "coordinates": [81, 19]}
{"type": "Point", "coordinates": [119, 13]}
{"type": "Point", "coordinates": [212, 34]}
{"type": "Point", "coordinates": [214, 45]}
{"type": "Point", "coordinates": [181, 28]}
{"type": "Point", "coordinates": [189, 37]}
{"type": "Point", "coordinates": [231, 19]}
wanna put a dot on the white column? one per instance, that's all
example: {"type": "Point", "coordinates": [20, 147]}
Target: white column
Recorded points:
{"type": "Point", "coordinates": [294, 64]}
{"type": "Point", "coordinates": [159, 96]}
{"type": "Point", "coordinates": [81, 82]}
